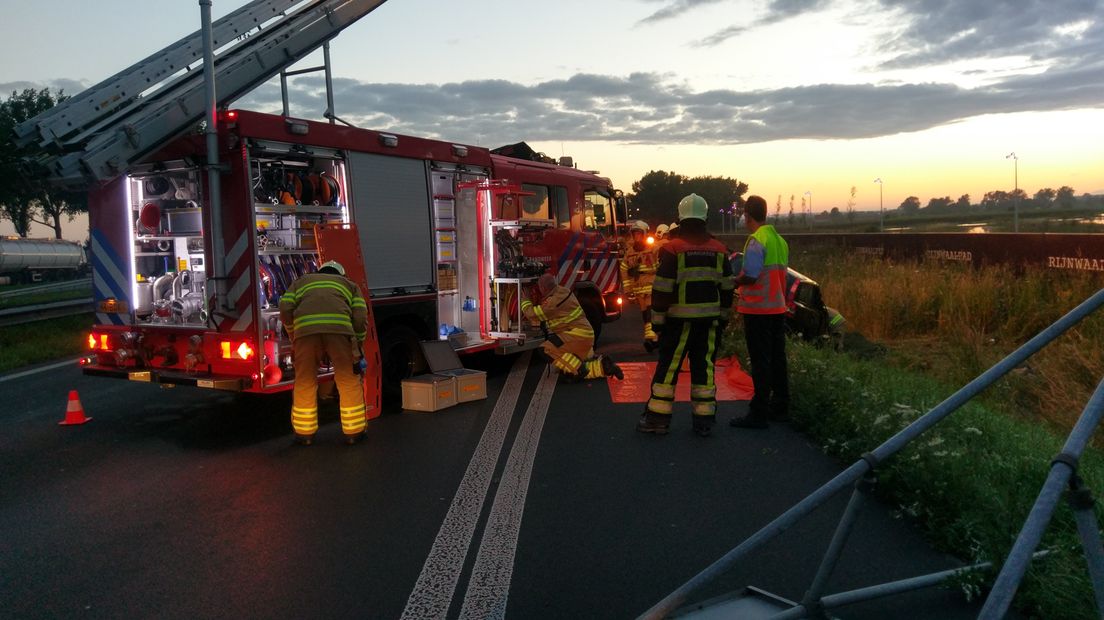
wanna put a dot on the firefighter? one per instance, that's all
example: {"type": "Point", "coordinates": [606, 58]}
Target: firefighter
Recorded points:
{"type": "Point", "coordinates": [325, 314]}
{"type": "Point", "coordinates": [691, 305]}
{"type": "Point", "coordinates": [637, 272]}
{"type": "Point", "coordinates": [762, 305]}
{"type": "Point", "coordinates": [570, 343]}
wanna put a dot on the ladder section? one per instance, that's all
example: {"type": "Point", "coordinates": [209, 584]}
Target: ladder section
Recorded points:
{"type": "Point", "coordinates": [59, 126]}
{"type": "Point", "coordinates": [110, 144]}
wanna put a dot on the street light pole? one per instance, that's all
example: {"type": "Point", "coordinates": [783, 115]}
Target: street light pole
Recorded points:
{"type": "Point", "coordinates": [881, 206]}
{"type": "Point", "coordinates": [1016, 191]}
{"type": "Point", "coordinates": [809, 222]}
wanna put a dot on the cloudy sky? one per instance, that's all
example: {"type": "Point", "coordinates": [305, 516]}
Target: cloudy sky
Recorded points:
{"type": "Point", "coordinates": [794, 97]}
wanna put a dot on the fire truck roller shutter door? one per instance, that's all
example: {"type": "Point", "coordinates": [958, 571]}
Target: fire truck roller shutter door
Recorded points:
{"type": "Point", "coordinates": [391, 207]}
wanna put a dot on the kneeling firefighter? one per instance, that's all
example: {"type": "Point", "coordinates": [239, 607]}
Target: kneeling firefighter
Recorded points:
{"type": "Point", "coordinates": [325, 315]}
{"type": "Point", "coordinates": [570, 343]}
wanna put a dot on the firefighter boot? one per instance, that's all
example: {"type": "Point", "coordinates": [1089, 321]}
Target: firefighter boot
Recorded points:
{"type": "Point", "coordinates": [304, 440]}
{"type": "Point", "coordinates": [354, 439]}
{"type": "Point", "coordinates": [703, 425]}
{"type": "Point", "coordinates": [651, 339]}
{"type": "Point", "coordinates": [655, 423]}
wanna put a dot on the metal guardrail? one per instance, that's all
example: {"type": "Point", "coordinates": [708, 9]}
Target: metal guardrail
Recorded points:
{"type": "Point", "coordinates": [53, 287]}
{"type": "Point", "coordinates": [1062, 472]}
{"type": "Point", "coordinates": [39, 312]}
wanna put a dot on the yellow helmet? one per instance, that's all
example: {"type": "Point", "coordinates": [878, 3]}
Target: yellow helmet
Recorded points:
{"type": "Point", "coordinates": [662, 229]}
{"type": "Point", "coordinates": [692, 206]}
{"type": "Point", "coordinates": [642, 226]}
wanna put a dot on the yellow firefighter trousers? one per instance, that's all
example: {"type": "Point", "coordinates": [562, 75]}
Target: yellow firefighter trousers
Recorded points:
{"type": "Point", "coordinates": [308, 352]}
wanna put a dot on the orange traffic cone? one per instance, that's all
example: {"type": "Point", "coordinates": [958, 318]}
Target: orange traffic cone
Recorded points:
{"type": "Point", "coordinates": [74, 413]}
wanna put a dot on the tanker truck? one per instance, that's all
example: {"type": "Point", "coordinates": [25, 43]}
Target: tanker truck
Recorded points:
{"type": "Point", "coordinates": [34, 260]}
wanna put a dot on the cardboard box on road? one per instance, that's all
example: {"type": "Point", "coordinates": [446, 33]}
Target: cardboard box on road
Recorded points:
{"type": "Point", "coordinates": [428, 393]}
{"type": "Point", "coordinates": [443, 360]}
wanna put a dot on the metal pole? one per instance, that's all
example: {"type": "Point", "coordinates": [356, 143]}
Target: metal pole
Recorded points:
{"type": "Point", "coordinates": [880, 591]}
{"type": "Point", "coordinates": [881, 209]}
{"type": "Point", "coordinates": [1016, 203]}
{"type": "Point", "coordinates": [1081, 501]}
{"type": "Point", "coordinates": [218, 245]}
{"type": "Point", "coordinates": [330, 114]}
{"type": "Point", "coordinates": [284, 93]}
{"type": "Point", "coordinates": [1063, 467]}
{"type": "Point", "coordinates": [811, 600]}
{"type": "Point", "coordinates": [881, 453]}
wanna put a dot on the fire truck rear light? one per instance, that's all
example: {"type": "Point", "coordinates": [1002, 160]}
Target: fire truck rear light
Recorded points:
{"type": "Point", "coordinates": [88, 360]}
{"type": "Point", "coordinates": [243, 350]}
{"type": "Point", "coordinates": [620, 300]}
{"type": "Point", "coordinates": [92, 341]}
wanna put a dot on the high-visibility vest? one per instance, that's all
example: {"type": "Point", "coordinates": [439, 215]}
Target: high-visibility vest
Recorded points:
{"type": "Point", "coordinates": [768, 294]}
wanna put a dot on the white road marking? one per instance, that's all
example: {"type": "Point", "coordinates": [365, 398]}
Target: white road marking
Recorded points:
{"type": "Point", "coordinates": [436, 584]}
{"type": "Point", "coordinates": [489, 585]}
{"type": "Point", "coordinates": [27, 373]}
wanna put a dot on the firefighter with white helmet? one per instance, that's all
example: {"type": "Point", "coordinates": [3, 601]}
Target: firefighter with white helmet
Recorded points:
{"type": "Point", "coordinates": [326, 316]}
{"type": "Point", "coordinates": [692, 302]}
{"type": "Point", "coordinates": [570, 338]}
{"type": "Point", "coordinates": [637, 272]}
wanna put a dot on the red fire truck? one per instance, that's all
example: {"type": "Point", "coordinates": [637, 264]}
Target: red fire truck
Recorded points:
{"type": "Point", "coordinates": [450, 237]}
{"type": "Point", "coordinates": [202, 216]}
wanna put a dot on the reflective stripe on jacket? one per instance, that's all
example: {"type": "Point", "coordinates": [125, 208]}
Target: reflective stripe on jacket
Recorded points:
{"type": "Point", "coordinates": [562, 315]}
{"type": "Point", "coordinates": [768, 294]}
{"type": "Point", "coordinates": [324, 303]}
{"type": "Point", "coordinates": [693, 281]}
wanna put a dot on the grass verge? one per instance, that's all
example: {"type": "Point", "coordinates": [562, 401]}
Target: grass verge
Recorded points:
{"type": "Point", "coordinates": [43, 341]}
{"type": "Point", "coordinates": [968, 483]}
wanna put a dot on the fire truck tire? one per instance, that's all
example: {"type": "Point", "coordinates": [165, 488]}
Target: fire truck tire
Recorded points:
{"type": "Point", "coordinates": [595, 313]}
{"type": "Point", "coordinates": [401, 357]}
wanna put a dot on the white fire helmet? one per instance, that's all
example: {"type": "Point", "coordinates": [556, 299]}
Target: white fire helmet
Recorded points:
{"type": "Point", "coordinates": [692, 206]}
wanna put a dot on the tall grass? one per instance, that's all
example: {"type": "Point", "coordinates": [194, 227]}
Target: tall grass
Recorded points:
{"type": "Point", "coordinates": [953, 322]}
{"type": "Point", "coordinates": [968, 483]}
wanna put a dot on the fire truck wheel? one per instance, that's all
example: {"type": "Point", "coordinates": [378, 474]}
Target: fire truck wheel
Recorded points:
{"type": "Point", "coordinates": [401, 358]}
{"type": "Point", "coordinates": [592, 306]}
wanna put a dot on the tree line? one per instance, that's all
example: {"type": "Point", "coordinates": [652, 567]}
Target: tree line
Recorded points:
{"type": "Point", "coordinates": [655, 196]}
{"type": "Point", "coordinates": [25, 197]}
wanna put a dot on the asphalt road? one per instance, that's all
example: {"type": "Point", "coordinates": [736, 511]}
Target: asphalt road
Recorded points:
{"type": "Point", "coordinates": [183, 503]}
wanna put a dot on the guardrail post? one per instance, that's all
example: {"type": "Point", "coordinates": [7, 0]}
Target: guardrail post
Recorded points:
{"type": "Point", "coordinates": [1081, 500]}
{"type": "Point", "coordinates": [1062, 469]}
{"type": "Point", "coordinates": [811, 601]}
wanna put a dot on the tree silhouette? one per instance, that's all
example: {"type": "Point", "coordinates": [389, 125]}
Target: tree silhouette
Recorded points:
{"type": "Point", "coordinates": [25, 198]}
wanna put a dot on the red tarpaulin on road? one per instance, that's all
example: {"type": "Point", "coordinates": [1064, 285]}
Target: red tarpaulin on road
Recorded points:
{"type": "Point", "coordinates": [732, 382]}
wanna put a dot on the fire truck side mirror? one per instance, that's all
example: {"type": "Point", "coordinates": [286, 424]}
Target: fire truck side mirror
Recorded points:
{"type": "Point", "coordinates": [619, 204]}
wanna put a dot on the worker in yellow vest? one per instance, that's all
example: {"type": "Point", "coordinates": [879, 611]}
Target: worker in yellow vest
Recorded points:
{"type": "Point", "coordinates": [325, 315]}
{"type": "Point", "coordinates": [638, 269]}
{"type": "Point", "coordinates": [762, 304]}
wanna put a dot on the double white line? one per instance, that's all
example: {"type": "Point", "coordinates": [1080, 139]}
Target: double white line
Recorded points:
{"type": "Point", "coordinates": [489, 584]}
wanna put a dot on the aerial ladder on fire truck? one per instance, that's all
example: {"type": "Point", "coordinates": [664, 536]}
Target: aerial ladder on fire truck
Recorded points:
{"type": "Point", "coordinates": [98, 134]}
{"type": "Point", "coordinates": [107, 130]}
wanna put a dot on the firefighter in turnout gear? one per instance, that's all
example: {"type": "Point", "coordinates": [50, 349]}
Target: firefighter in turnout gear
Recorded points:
{"type": "Point", "coordinates": [691, 305]}
{"type": "Point", "coordinates": [637, 273]}
{"type": "Point", "coordinates": [325, 315]}
{"type": "Point", "coordinates": [570, 343]}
